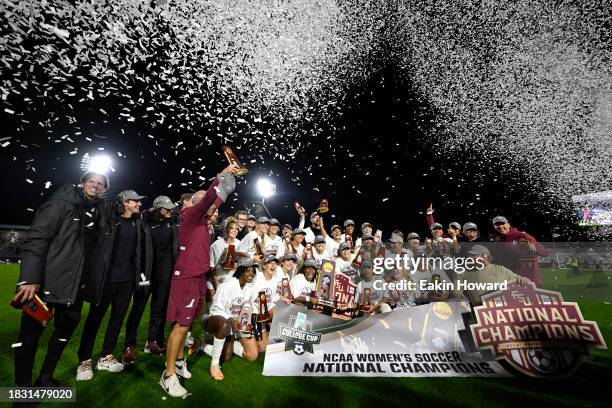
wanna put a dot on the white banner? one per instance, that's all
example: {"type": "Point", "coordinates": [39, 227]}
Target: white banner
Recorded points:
{"type": "Point", "coordinates": [420, 341]}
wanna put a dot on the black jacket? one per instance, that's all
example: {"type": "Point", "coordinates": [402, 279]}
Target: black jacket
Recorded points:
{"type": "Point", "coordinates": [164, 236]}
{"type": "Point", "coordinates": [143, 258]}
{"type": "Point", "coordinates": [61, 243]}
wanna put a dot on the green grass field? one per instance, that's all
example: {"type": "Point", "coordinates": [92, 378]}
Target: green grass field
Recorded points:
{"type": "Point", "coordinates": [137, 386]}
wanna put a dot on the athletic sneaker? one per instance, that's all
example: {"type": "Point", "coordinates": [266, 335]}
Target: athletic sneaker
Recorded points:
{"type": "Point", "coordinates": [215, 372]}
{"type": "Point", "coordinates": [109, 363]}
{"type": "Point", "coordinates": [181, 369]}
{"type": "Point", "coordinates": [84, 372]}
{"type": "Point", "coordinates": [172, 385]}
{"type": "Point", "coordinates": [128, 356]}
{"type": "Point", "coordinates": [154, 348]}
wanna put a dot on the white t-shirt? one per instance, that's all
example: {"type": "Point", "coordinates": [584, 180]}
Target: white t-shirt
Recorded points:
{"type": "Point", "coordinates": [332, 246]}
{"type": "Point", "coordinates": [230, 297]}
{"type": "Point", "coordinates": [377, 294]}
{"type": "Point", "coordinates": [318, 258]}
{"type": "Point", "coordinates": [300, 286]}
{"type": "Point", "coordinates": [218, 249]}
{"type": "Point", "coordinates": [247, 245]}
{"type": "Point", "coordinates": [270, 286]}
{"type": "Point", "coordinates": [427, 277]}
{"type": "Point", "coordinates": [275, 246]}
{"type": "Point", "coordinates": [346, 268]}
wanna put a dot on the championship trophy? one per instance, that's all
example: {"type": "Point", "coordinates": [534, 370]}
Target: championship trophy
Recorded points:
{"type": "Point", "coordinates": [264, 313]}
{"type": "Point", "coordinates": [358, 259]}
{"type": "Point", "coordinates": [286, 289]}
{"type": "Point", "coordinates": [323, 206]}
{"type": "Point", "coordinates": [306, 251]}
{"type": "Point", "coordinates": [348, 238]}
{"type": "Point", "coordinates": [300, 209]}
{"type": "Point", "coordinates": [366, 300]}
{"type": "Point", "coordinates": [230, 258]}
{"type": "Point", "coordinates": [233, 159]}
{"type": "Point", "coordinates": [244, 318]}
{"type": "Point", "coordinates": [289, 247]}
{"type": "Point", "coordinates": [35, 308]}
{"type": "Point", "coordinates": [381, 251]}
{"type": "Point", "coordinates": [378, 236]}
{"type": "Point", "coordinates": [324, 289]}
{"type": "Point", "coordinates": [435, 294]}
{"type": "Point", "coordinates": [258, 249]}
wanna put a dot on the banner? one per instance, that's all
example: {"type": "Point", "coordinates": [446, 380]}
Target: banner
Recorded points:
{"type": "Point", "coordinates": [420, 341]}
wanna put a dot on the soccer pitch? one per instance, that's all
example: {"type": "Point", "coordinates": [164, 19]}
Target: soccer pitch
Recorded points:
{"type": "Point", "coordinates": [137, 385]}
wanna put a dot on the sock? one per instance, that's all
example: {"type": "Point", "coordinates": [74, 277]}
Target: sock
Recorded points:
{"type": "Point", "coordinates": [216, 351]}
{"type": "Point", "coordinates": [166, 376]}
{"type": "Point", "coordinates": [238, 349]}
{"type": "Point", "coordinates": [208, 349]}
{"type": "Point", "coordinates": [179, 362]}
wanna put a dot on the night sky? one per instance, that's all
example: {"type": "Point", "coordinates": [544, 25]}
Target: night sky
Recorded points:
{"type": "Point", "coordinates": [354, 125]}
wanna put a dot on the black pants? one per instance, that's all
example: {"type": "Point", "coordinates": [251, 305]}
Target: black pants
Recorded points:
{"type": "Point", "coordinates": [118, 295]}
{"type": "Point", "coordinates": [141, 297]}
{"type": "Point", "coordinates": [66, 319]}
{"type": "Point", "coordinates": [159, 305]}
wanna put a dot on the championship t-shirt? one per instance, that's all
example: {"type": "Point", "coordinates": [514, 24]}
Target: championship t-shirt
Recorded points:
{"type": "Point", "coordinates": [300, 286]}
{"type": "Point", "coordinates": [230, 297]}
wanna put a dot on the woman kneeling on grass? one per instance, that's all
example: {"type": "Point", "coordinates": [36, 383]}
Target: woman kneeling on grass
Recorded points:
{"type": "Point", "coordinates": [223, 320]}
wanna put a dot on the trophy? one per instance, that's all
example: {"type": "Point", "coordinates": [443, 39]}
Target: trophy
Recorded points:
{"type": "Point", "coordinates": [435, 294]}
{"type": "Point", "coordinates": [230, 258]}
{"type": "Point", "coordinates": [366, 300]}
{"type": "Point", "coordinates": [264, 313]}
{"type": "Point", "coordinates": [300, 209]}
{"type": "Point", "coordinates": [306, 251]}
{"type": "Point", "coordinates": [35, 308]}
{"type": "Point", "coordinates": [288, 247]}
{"type": "Point", "coordinates": [358, 259]}
{"type": "Point", "coordinates": [286, 289]}
{"type": "Point", "coordinates": [378, 236]}
{"type": "Point", "coordinates": [258, 249]}
{"type": "Point", "coordinates": [381, 251]}
{"type": "Point", "coordinates": [323, 206]}
{"type": "Point", "coordinates": [233, 159]}
{"type": "Point", "coordinates": [349, 239]}
{"type": "Point", "coordinates": [324, 289]}
{"type": "Point", "coordinates": [244, 318]}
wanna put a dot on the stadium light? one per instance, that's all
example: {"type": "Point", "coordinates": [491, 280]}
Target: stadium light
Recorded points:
{"type": "Point", "coordinates": [265, 188]}
{"type": "Point", "coordinates": [99, 164]}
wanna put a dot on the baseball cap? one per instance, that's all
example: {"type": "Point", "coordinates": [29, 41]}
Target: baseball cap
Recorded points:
{"type": "Point", "coordinates": [163, 202]}
{"type": "Point", "coordinates": [297, 231]}
{"type": "Point", "coordinates": [366, 224]}
{"type": "Point", "coordinates": [365, 264]}
{"type": "Point", "coordinates": [319, 238]}
{"type": "Point", "coordinates": [344, 245]}
{"type": "Point", "coordinates": [469, 226]}
{"type": "Point", "coordinates": [333, 227]}
{"type": "Point", "coordinates": [270, 258]}
{"type": "Point", "coordinates": [479, 250]}
{"type": "Point", "coordinates": [395, 238]}
{"type": "Point", "coordinates": [413, 235]}
{"type": "Point", "coordinates": [89, 174]}
{"type": "Point", "coordinates": [129, 195]}
{"type": "Point", "coordinates": [289, 257]}
{"type": "Point", "coordinates": [251, 217]}
{"type": "Point", "coordinates": [349, 222]}
{"type": "Point", "coordinates": [314, 214]}
{"type": "Point", "coordinates": [263, 220]}
{"type": "Point", "coordinates": [309, 263]}
{"type": "Point", "coordinates": [455, 225]}
{"type": "Point", "coordinates": [287, 226]}
{"type": "Point", "coordinates": [436, 225]}
{"type": "Point", "coordinates": [367, 236]}
{"type": "Point", "coordinates": [274, 221]}
{"type": "Point", "coordinates": [500, 218]}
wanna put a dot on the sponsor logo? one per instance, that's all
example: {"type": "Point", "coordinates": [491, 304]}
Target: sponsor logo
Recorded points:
{"type": "Point", "coordinates": [298, 334]}
{"type": "Point", "coordinates": [534, 330]}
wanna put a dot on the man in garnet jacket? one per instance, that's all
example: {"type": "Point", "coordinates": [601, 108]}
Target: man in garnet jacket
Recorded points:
{"type": "Point", "coordinates": [188, 286]}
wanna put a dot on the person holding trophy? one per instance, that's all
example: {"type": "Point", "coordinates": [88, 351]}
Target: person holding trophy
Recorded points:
{"type": "Point", "coordinates": [266, 283]}
{"type": "Point", "coordinates": [253, 244]}
{"type": "Point", "coordinates": [274, 243]}
{"type": "Point", "coordinates": [305, 282]}
{"type": "Point", "coordinates": [230, 320]}
{"type": "Point", "coordinates": [223, 256]}
{"type": "Point", "coordinates": [334, 241]}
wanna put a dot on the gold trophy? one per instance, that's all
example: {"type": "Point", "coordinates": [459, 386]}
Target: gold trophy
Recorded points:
{"type": "Point", "coordinates": [233, 159]}
{"type": "Point", "coordinates": [323, 206]}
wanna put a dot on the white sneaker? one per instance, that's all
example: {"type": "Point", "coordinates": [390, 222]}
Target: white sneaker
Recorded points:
{"type": "Point", "coordinates": [172, 385]}
{"type": "Point", "coordinates": [109, 363]}
{"type": "Point", "coordinates": [84, 372]}
{"type": "Point", "coordinates": [181, 369]}
{"type": "Point", "coordinates": [147, 349]}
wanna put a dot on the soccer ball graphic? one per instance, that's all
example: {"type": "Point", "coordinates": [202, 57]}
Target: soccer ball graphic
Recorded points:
{"type": "Point", "coordinates": [543, 360]}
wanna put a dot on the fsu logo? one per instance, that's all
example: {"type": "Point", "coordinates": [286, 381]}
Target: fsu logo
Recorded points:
{"type": "Point", "coordinates": [534, 330]}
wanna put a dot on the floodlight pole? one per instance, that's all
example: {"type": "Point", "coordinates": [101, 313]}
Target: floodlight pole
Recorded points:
{"type": "Point", "coordinates": [263, 204]}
